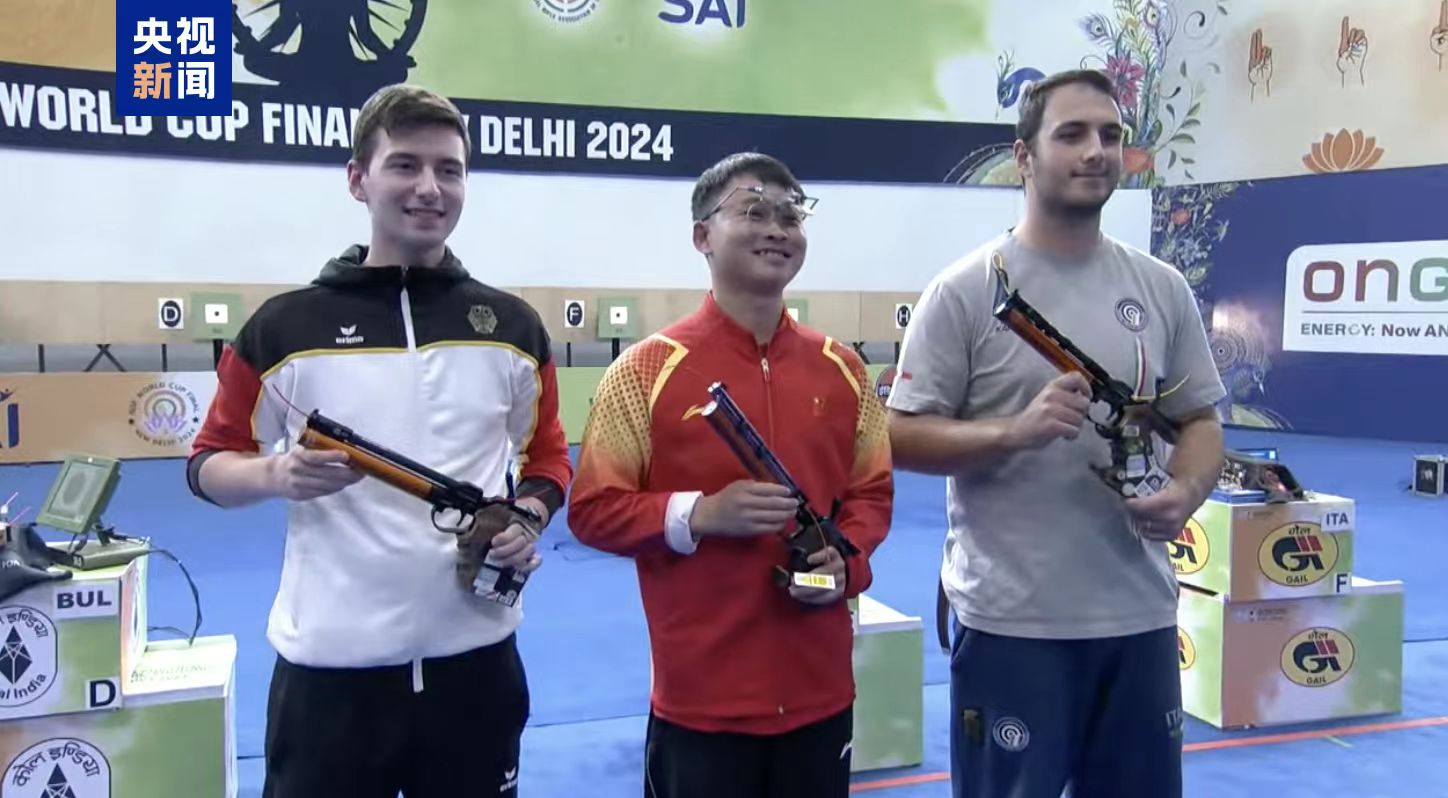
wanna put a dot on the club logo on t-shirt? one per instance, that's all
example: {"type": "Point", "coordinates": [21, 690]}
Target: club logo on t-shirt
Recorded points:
{"type": "Point", "coordinates": [1131, 315]}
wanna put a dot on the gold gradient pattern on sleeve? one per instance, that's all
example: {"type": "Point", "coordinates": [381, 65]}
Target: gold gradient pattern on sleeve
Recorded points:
{"type": "Point", "coordinates": [618, 426]}
{"type": "Point", "coordinates": [872, 432]}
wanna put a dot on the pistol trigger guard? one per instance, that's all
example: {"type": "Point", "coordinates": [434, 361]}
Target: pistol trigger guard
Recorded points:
{"type": "Point", "coordinates": [449, 530]}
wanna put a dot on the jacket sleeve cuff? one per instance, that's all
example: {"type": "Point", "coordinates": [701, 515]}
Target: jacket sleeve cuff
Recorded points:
{"type": "Point", "coordinates": [676, 522]}
{"type": "Point", "coordinates": [858, 575]}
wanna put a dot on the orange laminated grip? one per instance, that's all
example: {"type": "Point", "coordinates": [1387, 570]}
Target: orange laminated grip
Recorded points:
{"type": "Point", "coordinates": [369, 464]}
{"type": "Point", "coordinates": [1059, 357]}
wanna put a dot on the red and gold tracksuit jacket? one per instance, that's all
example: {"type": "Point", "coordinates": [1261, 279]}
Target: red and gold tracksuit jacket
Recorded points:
{"type": "Point", "coordinates": [731, 650]}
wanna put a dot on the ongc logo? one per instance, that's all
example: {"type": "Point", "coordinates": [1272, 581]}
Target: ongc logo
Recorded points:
{"type": "Point", "coordinates": [1297, 554]}
{"type": "Point", "coordinates": [1326, 281]}
{"type": "Point", "coordinates": [1318, 657]}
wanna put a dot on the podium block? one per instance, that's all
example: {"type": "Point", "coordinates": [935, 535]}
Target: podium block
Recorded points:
{"type": "Point", "coordinates": [1261, 663]}
{"type": "Point", "coordinates": [889, 671]}
{"type": "Point", "coordinates": [175, 734]}
{"type": "Point", "coordinates": [68, 645]}
{"type": "Point", "coordinates": [1255, 551]}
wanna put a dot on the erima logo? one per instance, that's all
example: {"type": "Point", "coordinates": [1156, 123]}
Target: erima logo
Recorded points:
{"type": "Point", "coordinates": [510, 779]}
{"type": "Point", "coordinates": [349, 335]}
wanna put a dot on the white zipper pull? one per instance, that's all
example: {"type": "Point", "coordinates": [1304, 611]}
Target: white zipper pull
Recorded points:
{"type": "Point", "coordinates": [764, 362]}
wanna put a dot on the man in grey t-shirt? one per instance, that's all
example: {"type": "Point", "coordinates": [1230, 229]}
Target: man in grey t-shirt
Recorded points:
{"type": "Point", "coordinates": [1064, 665]}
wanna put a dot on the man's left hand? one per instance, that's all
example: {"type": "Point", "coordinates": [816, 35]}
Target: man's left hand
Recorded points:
{"type": "Point", "coordinates": [500, 536]}
{"type": "Point", "coordinates": [1162, 515]}
{"type": "Point", "coordinates": [826, 561]}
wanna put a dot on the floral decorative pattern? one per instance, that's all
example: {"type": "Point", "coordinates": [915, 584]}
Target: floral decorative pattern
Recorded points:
{"type": "Point", "coordinates": [1185, 229]}
{"type": "Point", "coordinates": [1343, 152]}
{"type": "Point", "coordinates": [1160, 107]}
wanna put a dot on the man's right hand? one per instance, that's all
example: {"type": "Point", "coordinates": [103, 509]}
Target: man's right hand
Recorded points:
{"type": "Point", "coordinates": [1058, 411]}
{"type": "Point", "coordinates": [302, 474]}
{"type": "Point", "coordinates": [744, 509]}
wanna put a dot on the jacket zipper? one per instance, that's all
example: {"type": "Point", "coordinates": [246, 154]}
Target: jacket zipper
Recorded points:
{"type": "Point", "coordinates": [768, 394]}
{"type": "Point", "coordinates": [769, 425]}
{"type": "Point", "coordinates": [405, 305]}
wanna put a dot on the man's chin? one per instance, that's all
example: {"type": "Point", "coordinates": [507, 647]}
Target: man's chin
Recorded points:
{"type": "Point", "coordinates": [1083, 207]}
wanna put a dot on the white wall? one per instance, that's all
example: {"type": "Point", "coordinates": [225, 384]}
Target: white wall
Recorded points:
{"type": "Point", "coordinates": [67, 216]}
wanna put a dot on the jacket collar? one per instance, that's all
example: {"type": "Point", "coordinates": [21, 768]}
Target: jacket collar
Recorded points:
{"type": "Point", "coordinates": [346, 271]}
{"type": "Point", "coordinates": [734, 334]}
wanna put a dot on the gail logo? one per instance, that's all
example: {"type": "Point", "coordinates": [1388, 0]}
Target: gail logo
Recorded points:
{"type": "Point", "coordinates": [62, 766]}
{"type": "Point", "coordinates": [27, 655]}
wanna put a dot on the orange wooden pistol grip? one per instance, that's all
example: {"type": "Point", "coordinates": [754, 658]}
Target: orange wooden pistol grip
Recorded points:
{"type": "Point", "coordinates": [1059, 357]}
{"type": "Point", "coordinates": [369, 464]}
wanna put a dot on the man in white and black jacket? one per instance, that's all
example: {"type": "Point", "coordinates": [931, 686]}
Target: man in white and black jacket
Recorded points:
{"type": "Point", "coordinates": [392, 675]}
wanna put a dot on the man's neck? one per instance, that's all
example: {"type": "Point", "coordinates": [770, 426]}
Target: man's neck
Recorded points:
{"type": "Point", "coordinates": [378, 255]}
{"type": "Point", "coordinates": [757, 314]}
{"type": "Point", "coordinates": [1062, 236]}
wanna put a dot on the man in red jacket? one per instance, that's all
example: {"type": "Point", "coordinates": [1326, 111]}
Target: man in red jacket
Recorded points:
{"type": "Point", "coordinates": [753, 682]}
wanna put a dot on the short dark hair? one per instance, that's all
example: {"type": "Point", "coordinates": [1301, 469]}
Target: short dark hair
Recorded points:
{"type": "Point", "coordinates": [402, 107]}
{"type": "Point", "coordinates": [711, 183]}
{"type": "Point", "coordinates": [1033, 101]}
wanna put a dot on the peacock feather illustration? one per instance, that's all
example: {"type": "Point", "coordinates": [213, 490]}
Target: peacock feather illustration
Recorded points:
{"type": "Point", "coordinates": [1012, 83]}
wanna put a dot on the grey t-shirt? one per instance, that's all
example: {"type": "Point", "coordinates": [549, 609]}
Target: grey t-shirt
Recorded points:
{"type": "Point", "coordinates": [1038, 546]}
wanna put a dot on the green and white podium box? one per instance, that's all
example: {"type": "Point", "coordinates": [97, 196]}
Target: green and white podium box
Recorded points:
{"type": "Point", "coordinates": [1262, 663]}
{"type": "Point", "coordinates": [68, 645]}
{"type": "Point", "coordinates": [175, 735]}
{"type": "Point", "coordinates": [889, 662]}
{"type": "Point", "coordinates": [1249, 552]}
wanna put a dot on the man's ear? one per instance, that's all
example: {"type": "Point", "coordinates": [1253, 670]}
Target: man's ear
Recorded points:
{"type": "Point", "coordinates": [1022, 153]}
{"type": "Point", "coordinates": [701, 239]}
{"type": "Point", "coordinates": [355, 172]}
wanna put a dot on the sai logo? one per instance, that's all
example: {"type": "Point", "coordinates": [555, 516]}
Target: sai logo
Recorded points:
{"type": "Point", "coordinates": [62, 766]}
{"type": "Point", "coordinates": [1190, 551]}
{"type": "Point", "coordinates": [1186, 649]}
{"type": "Point", "coordinates": [27, 655]}
{"type": "Point", "coordinates": [9, 419]}
{"type": "Point", "coordinates": [1297, 554]}
{"type": "Point", "coordinates": [698, 12]}
{"type": "Point", "coordinates": [1318, 657]}
{"type": "Point", "coordinates": [567, 10]}
{"type": "Point", "coordinates": [165, 414]}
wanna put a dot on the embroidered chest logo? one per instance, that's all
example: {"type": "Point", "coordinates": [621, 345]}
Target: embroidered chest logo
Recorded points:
{"type": "Point", "coordinates": [483, 319]}
{"type": "Point", "coordinates": [1131, 315]}
{"type": "Point", "coordinates": [349, 335]}
{"type": "Point", "coordinates": [694, 410]}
